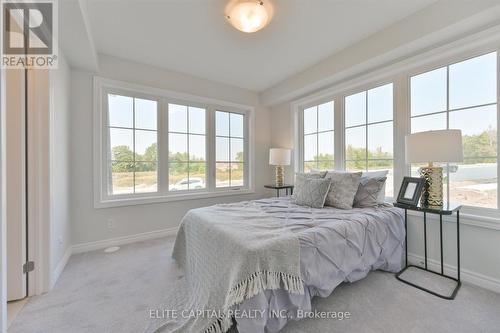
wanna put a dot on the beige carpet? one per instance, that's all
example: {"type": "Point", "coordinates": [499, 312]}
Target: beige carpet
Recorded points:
{"type": "Point", "coordinates": [100, 292]}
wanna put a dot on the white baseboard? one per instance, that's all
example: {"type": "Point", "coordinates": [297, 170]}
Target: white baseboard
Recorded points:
{"type": "Point", "coordinates": [102, 244]}
{"type": "Point", "coordinates": [466, 275]}
{"type": "Point", "coordinates": [60, 267]}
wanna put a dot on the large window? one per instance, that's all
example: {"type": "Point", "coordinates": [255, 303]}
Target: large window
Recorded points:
{"type": "Point", "coordinates": [230, 149]}
{"type": "Point", "coordinates": [318, 136]}
{"type": "Point", "coordinates": [186, 148]}
{"type": "Point", "coordinates": [132, 154]}
{"type": "Point", "coordinates": [369, 132]}
{"type": "Point", "coordinates": [462, 96]}
{"type": "Point", "coordinates": [156, 148]}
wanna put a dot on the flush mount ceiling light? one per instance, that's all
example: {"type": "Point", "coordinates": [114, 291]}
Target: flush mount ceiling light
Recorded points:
{"type": "Point", "coordinates": [249, 15]}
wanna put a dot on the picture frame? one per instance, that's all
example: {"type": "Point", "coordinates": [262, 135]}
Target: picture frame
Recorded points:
{"type": "Point", "coordinates": [411, 190]}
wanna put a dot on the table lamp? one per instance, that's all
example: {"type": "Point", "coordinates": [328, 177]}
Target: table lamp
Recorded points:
{"type": "Point", "coordinates": [429, 147]}
{"type": "Point", "coordinates": [279, 157]}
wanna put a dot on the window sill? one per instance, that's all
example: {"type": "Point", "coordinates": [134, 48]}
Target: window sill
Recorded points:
{"type": "Point", "coordinates": [475, 219]}
{"type": "Point", "coordinates": [120, 202]}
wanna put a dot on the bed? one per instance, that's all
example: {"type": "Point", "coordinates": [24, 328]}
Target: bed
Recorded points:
{"type": "Point", "coordinates": [332, 246]}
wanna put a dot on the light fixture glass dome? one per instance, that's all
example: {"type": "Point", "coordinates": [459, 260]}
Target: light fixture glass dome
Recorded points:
{"type": "Point", "coordinates": [249, 15]}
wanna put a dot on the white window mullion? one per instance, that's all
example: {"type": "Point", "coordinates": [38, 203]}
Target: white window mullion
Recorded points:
{"type": "Point", "coordinates": [339, 149]}
{"type": "Point", "coordinates": [366, 130]}
{"type": "Point", "coordinates": [299, 120]}
{"type": "Point", "coordinates": [210, 148]}
{"type": "Point", "coordinates": [401, 128]}
{"type": "Point", "coordinates": [447, 127]}
{"type": "Point", "coordinates": [498, 125]}
{"type": "Point", "coordinates": [247, 181]}
{"type": "Point", "coordinates": [163, 149]}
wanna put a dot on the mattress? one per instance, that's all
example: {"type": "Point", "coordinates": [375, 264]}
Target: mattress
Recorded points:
{"type": "Point", "coordinates": [336, 246]}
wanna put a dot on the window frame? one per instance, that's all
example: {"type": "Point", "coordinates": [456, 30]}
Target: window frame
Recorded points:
{"type": "Point", "coordinates": [166, 132]}
{"type": "Point", "coordinates": [246, 149]}
{"type": "Point", "coordinates": [367, 123]}
{"type": "Point", "coordinates": [317, 132]}
{"type": "Point", "coordinates": [338, 98]}
{"type": "Point", "coordinates": [102, 199]}
{"type": "Point", "coordinates": [446, 63]}
{"type": "Point", "coordinates": [105, 142]}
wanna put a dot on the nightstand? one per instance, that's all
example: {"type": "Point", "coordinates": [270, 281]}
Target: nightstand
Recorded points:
{"type": "Point", "coordinates": [446, 209]}
{"type": "Point", "coordinates": [286, 187]}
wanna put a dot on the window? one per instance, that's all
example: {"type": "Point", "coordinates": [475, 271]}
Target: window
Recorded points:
{"type": "Point", "coordinates": [187, 148]}
{"type": "Point", "coordinates": [462, 96]}
{"type": "Point", "coordinates": [369, 132]}
{"type": "Point", "coordinates": [318, 136]}
{"type": "Point", "coordinates": [132, 154]}
{"type": "Point", "coordinates": [230, 149]}
{"type": "Point", "coordinates": [154, 147]}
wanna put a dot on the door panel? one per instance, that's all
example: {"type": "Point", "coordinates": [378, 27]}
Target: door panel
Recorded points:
{"type": "Point", "coordinates": [15, 183]}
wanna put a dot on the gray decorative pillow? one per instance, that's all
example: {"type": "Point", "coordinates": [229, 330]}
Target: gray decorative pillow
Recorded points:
{"type": "Point", "coordinates": [310, 191]}
{"type": "Point", "coordinates": [308, 175]}
{"type": "Point", "coordinates": [368, 191]}
{"type": "Point", "coordinates": [343, 189]}
{"type": "Point", "coordinates": [375, 174]}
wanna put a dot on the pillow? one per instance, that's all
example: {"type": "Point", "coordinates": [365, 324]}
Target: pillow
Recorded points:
{"type": "Point", "coordinates": [368, 191]}
{"type": "Point", "coordinates": [343, 189]}
{"type": "Point", "coordinates": [375, 174]}
{"type": "Point", "coordinates": [310, 191]}
{"type": "Point", "coordinates": [312, 174]}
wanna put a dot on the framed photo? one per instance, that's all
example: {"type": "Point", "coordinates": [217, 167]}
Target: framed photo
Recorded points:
{"type": "Point", "coordinates": [410, 191]}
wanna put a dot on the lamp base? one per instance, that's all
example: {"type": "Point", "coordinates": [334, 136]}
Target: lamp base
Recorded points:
{"type": "Point", "coordinates": [279, 176]}
{"type": "Point", "coordinates": [432, 194]}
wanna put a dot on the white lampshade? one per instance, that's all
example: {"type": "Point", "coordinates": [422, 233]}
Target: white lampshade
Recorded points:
{"type": "Point", "coordinates": [434, 146]}
{"type": "Point", "coordinates": [279, 156]}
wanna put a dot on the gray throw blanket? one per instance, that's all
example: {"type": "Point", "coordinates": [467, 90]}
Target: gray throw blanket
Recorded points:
{"type": "Point", "coordinates": [231, 253]}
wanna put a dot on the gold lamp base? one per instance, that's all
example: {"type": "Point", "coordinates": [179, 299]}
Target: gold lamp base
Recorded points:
{"type": "Point", "coordinates": [279, 176]}
{"type": "Point", "coordinates": [432, 194]}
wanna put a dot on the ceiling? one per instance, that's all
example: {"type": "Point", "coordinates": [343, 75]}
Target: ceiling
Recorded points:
{"type": "Point", "coordinates": [193, 37]}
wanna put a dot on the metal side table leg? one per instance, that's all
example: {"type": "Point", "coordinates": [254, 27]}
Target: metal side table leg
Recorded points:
{"type": "Point", "coordinates": [441, 240]}
{"type": "Point", "coordinates": [425, 238]}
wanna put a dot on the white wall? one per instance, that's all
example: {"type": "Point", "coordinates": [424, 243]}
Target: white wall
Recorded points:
{"type": "Point", "coordinates": [60, 235]}
{"type": "Point", "coordinates": [282, 135]}
{"type": "Point", "coordinates": [90, 224]}
{"type": "Point", "coordinates": [479, 246]}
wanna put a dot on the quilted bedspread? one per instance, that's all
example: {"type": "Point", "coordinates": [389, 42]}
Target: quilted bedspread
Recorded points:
{"type": "Point", "coordinates": [335, 246]}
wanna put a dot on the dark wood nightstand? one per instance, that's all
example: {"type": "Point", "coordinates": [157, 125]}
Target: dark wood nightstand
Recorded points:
{"type": "Point", "coordinates": [286, 187]}
{"type": "Point", "coordinates": [446, 209]}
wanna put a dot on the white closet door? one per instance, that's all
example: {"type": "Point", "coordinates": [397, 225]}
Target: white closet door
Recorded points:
{"type": "Point", "coordinates": [15, 183]}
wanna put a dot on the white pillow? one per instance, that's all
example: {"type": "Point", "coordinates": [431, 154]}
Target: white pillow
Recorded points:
{"type": "Point", "coordinates": [377, 174]}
